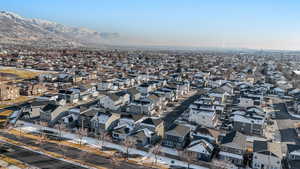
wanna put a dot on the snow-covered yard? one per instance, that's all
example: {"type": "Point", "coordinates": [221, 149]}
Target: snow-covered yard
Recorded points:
{"type": "Point", "coordinates": [147, 157]}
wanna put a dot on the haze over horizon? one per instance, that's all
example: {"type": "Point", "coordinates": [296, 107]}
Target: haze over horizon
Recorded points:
{"type": "Point", "coordinates": [192, 23]}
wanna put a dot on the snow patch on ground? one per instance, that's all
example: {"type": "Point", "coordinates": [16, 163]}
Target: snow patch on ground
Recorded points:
{"type": "Point", "coordinates": [29, 127]}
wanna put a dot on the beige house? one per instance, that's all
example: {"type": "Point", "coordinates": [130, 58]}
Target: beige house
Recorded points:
{"type": "Point", "coordinates": [9, 92]}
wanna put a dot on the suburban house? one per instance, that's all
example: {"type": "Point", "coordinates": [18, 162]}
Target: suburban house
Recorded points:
{"type": "Point", "coordinates": [114, 101]}
{"type": "Point", "coordinates": [218, 94]}
{"type": "Point", "coordinates": [120, 132]}
{"type": "Point", "coordinates": [145, 88]}
{"type": "Point", "coordinates": [228, 88]}
{"type": "Point", "coordinates": [85, 117]}
{"type": "Point", "coordinates": [50, 112]}
{"type": "Point", "coordinates": [104, 121]}
{"type": "Point", "coordinates": [208, 134]}
{"type": "Point", "coordinates": [293, 156]}
{"type": "Point", "coordinates": [245, 102]}
{"type": "Point", "coordinates": [233, 148]}
{"type": "Point", "coordinates": [168, 93]}
{"type": "Point", "coordinates": [248, 122]}
{"type": "Point", "coordinates": [36, 107]}
{"type": "Point", "coordinates": [32, 89]}
{"type": "Point", "coordinates": [202, 149]}
{"type": "Point", "coordinates": [143, 137]}
{"type": "Point", "coordinates": [156, 100]}
{"type": "Point", "coordinates": [134, 94]}
{"type": "Point", "coordinates": [142, 106]}
{"type": "Point", "coordinates": [266, 155]}
{"type": "Point", "coordinates": [105, 85]}
{"type": "Point", "coordinates": [203, 112]}
{"type": "Point", "coordinates": [125, 126]}
{"type": "Point", "coordinates": [71, 95]}
{"type": "Point", "coordinates": [176, 136]}
{"type": "Point", "coordinates": [154, 124]}
{"type": "Point", "coordinates": [70, 120]}
{"type": "Point", "coordinates": [9, 92]}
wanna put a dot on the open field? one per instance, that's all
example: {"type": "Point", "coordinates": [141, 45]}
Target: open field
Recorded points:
{"type": "Point", "coordinates": [20, 99]}
{"type": "Point", "coordinates": [23, 74]}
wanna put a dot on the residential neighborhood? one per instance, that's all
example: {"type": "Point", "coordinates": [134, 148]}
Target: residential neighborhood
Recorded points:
{"type": "Point", "coordinates": [171, 108]}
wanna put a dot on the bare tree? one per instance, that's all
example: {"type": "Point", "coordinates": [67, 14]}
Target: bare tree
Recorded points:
{"type": "Point", "coordinates": [129, 142]}
{"type": "Point", "coordinates": [60, 128]}
{"type": "Point", "coordinates": [187, 156]}
{"type": "Point", "coordinates": [43, 134]}
{"type": "Point", "coordinates": [101, 138]}
{"type": "Point", "coordinates": [81, 133]}
{"type": "Point", "coordinates": [114, 159]}
{"type": "Point", "coordinates": [155, 151]}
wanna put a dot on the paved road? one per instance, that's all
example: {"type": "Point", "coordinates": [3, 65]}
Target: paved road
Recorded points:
{"type": "Point", "coordinates": [74, 153]}
{"type": "Point", "coordinates": [35, 159]}
{"type": "Point", "coordinates": [285, 124]}
{"type": "Point", "coordinates": [173, 115]}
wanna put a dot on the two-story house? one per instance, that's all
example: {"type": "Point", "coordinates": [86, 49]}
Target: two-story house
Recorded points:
{"type": "Point", "coordinates": [233, 148]}
{"type": "Point", "coordinates": [266, 155]}
{"type": "Point", "coordinates": [176, 136]}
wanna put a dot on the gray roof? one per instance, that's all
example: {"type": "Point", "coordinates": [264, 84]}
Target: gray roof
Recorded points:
{"type": "Point", "coordinates": [234, 139]}
{"type": "Point", "coordinates": [113, 97]}
{"type": "Point", "coordinates": [267, 148]}
{"type": "Point", "coordinates": [179, 130]}
{"type": "Point", "coordinates": [133, 91]}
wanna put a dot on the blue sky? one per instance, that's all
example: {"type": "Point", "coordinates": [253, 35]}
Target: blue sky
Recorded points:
{"type": "Point", "coordinates": [261, 24]}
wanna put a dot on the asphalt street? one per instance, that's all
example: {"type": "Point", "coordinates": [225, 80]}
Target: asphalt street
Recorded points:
{"type": "Point", "coordinates": [35, 159]}
{"type": "Point", "coordinates": [73, 153]}
{"type": "Point", "coordinates": [173, 115]}
{"type": "Point", "coordinates": [285, 124]}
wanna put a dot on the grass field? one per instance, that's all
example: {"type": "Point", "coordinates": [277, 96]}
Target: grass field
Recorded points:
{"type": "Point", "coordinates": [14, 101]}
{"type": "Point", "coordinates": [24, 74]}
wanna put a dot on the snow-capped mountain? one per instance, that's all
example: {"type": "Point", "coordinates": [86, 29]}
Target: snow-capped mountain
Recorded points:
{"type": "Point", "coordinates": [19, 30]}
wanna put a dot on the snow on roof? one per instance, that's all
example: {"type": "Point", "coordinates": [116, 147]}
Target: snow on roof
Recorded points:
{"type": "Point", "coordinates": [103, 118]}
{"type": "Point", "coordinates": [231, 155]}
{"type": "Point", "coordinates": [147, 132]}
{"type": "Point", "coordinates": [294, 91]}
{"type": "Point", "coordinates": [201, 146]}
{"type": "Point", "coordinates": [247, 120]}
{"type": "Point", "coordinates": [297, 72]}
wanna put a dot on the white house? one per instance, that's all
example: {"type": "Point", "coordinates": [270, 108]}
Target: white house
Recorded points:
{"type": "Point", "coordinates": [115, 100]}
{"type": "Point", "coordinates": [105, 85]}
{"type": "Point", "coordinates": [203, 115]}
{"type": "Point", "coordinates": [246, 102]}
{"type": "Point", "coordinates": [266, 155]}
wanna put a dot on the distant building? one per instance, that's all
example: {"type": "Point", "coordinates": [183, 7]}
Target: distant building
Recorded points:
{"type": "Point", "coordinates": [33, 89]}
{"type": "Point", "coordinates": [9, 92]}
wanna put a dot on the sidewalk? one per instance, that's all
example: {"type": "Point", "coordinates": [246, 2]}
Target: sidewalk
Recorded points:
{"type": "Point", "coordinates": [148, 157]}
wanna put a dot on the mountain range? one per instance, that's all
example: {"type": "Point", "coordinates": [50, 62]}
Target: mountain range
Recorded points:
{"type": "Point", "coordinates": [16, 29]}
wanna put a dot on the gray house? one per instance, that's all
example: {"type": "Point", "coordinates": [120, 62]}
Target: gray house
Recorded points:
{"type": "Point", "coordinates": [177, 136]}
{"type": "Point", "coordinates": [50, 112]}
{"type": "Point", "coordinates": [202, 149]}
{"type": "Point", "coordinates": [248, 122]}
{"type": "Point", "coordinates": [104, 121]}
{"type": "Point", "coordinates": [233, 147]}
{"type": "Point", "coordinates": [293, 156]}
{"type": "Point", "coordinates": [134, 94]}
{"type": "Point", "coordinates": [266, 155]}
{"type": "Point", "coordinates": [144, 137]}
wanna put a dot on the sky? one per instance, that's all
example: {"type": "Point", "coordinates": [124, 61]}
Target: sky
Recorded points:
{"type": "Point", "coordinates": [258, 24]}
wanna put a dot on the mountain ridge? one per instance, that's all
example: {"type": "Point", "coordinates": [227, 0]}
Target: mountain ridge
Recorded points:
{"type": "Point", "coordinates": [16, 29]}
